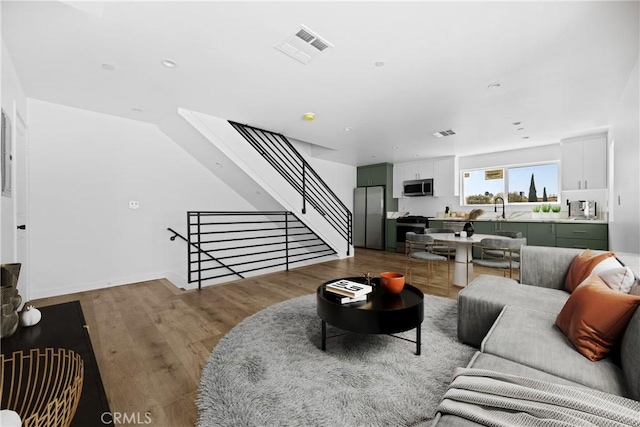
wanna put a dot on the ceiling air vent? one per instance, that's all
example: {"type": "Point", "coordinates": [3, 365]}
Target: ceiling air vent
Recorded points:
{"type": "Point", "coordinates": [303, 45]}
{"type": "Point", "coordinates": [444, 133]}
{"type": "Point", "coordinates": [305, 35]}
{"type": "Point", "coordinates": [319, 44]}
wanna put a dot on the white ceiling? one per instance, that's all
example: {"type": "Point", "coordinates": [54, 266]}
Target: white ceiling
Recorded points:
{"type": "Point", "coordinates": [562, 66]}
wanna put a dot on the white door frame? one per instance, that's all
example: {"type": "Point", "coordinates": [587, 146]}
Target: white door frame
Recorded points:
{"type": "Point", "coordinates": [20, 179]}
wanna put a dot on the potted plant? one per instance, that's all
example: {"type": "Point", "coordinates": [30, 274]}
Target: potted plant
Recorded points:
{"type": "Point", "coordinates": [556, 210]}
{"type": "Point", "coordinates": [546, 209]}
{"type": "Point", "coordinates": [535, 214]}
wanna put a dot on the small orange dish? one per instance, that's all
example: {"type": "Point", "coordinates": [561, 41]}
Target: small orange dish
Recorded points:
{"type": "Point", "coordinates": [392, 282]}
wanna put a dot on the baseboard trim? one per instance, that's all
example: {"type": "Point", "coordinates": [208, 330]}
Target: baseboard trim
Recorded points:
{"type": "Point", "coordinates": [46, 293]}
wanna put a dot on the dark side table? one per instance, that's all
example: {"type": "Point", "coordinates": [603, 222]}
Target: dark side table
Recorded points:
{"type": "Point", "coordinates": [63, 326]}
{"type": "Point", "coordinates": [381, 313]}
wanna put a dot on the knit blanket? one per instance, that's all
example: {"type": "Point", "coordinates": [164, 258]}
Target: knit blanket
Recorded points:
{"type": "Point", "coordinates": [495, 399]}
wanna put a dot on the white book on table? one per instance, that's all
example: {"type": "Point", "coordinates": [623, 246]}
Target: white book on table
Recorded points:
{"type": "Point", "coordinates": [348, 288]}
{"type": "Point", "coordinates": [346, 300]}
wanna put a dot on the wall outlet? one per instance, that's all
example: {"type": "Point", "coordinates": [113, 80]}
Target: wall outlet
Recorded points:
{"type": "Point", "coordinates": [134, 204]}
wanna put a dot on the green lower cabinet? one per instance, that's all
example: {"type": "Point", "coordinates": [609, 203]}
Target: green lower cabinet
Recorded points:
{"type": "Point", "coordinates": [435, 223]}
{"type": "Point", "coordinates": [484, 227]}
{"type": "Point", "coordinates": [554, 234]}
{"type": "Point", "coordinates": [583, 231]}
{"type": "Point", "coordinates": [541, 234]}
{"type": "Point", "coordinates": [514, 226]}
{"type": "Point", "coordinates": [583, 236]}
{"type": "Point", "coordinates": [392, 228]}
{"type": "Point", "coordinates": [596, 245]}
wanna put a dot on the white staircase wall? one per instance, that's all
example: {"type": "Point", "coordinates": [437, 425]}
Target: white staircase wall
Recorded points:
{"type": "Point", "coordinates": [240, 152]}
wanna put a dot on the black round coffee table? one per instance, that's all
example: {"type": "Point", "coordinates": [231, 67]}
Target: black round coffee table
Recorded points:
{"type": "Point", "coordinates": [381, 313]}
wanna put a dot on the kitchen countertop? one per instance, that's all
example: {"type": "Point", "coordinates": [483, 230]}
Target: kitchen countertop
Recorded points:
{"type": "Point", "coordinates": [521, 219]}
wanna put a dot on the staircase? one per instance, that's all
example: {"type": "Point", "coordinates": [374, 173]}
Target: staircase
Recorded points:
{"type": "Point", "coordinates": [279, 169]}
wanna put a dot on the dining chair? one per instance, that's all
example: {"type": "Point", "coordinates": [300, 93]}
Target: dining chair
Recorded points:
{"type": "Point", "coordinates": [418, 248]}
{"type": "Point", "coordinates": [507, 248]}
{"type": "Point", "coordinates": [440, 248]}
{"type": "Point", "coordinates": [496, 253]}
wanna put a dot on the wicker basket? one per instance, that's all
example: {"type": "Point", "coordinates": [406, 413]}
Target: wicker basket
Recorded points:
{"type": "Point", "coordinates": [43, 386]}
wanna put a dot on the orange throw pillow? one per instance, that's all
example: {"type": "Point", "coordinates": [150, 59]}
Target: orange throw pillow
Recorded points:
{"type": "Point", "coordinates": [594, 317]}
{"type": "Point", "coordinates": [582, 266]}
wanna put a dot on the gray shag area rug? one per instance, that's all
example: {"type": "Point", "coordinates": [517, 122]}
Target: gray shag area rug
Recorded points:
{"type": "Point", "coordinates": [269, 371]}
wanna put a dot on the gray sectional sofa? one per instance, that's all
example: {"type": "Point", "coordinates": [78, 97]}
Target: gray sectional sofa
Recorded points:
{"type": "Point", "coordinates": [513, 325]}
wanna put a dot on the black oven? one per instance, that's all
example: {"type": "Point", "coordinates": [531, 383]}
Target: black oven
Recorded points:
{"type": "Point", "coordinates": [417, 224]}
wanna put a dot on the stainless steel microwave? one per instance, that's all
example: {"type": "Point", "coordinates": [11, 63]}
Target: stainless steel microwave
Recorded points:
{"type": "Point", "coordinates": [419, 187]}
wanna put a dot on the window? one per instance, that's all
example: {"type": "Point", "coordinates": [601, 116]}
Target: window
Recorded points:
{"type": "Point", "coordinates": [522, 184]}
{"type": "Point", "coordinates": [538, 183]}
{"type": "Point", "coordinates": [481, 186]}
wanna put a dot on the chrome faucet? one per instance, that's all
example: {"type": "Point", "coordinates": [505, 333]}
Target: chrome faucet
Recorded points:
{"type": "Point", "coordinates": [495, 208]}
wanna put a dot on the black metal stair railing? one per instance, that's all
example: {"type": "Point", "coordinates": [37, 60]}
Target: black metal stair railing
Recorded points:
{"type": "Point", "coordinates": [276, 149]}
{"type": "Point", "coordinates": [225, 244]}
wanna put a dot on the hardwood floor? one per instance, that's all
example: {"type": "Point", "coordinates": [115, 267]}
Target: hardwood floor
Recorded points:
{"type": "Point", "coordinates": [152, 339]}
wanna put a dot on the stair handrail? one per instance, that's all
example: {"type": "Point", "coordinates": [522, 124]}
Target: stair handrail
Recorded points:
{"type": "Point", "coordinates": [278, 239]}
{"type": "Point", "coordinates": [284, 166]}
{"type": "Point", "coordinates": [176, 234]}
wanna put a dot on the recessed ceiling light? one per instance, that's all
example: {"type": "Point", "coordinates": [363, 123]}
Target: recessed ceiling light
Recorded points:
{"type": "Point", "coordinates": [136, 109]}
{"type": "Point", "coordinates": [108, 67]}
{"type": "Point", "coordinates": [169, 63]}
{"type": "Point", "coordinates": [219, 165]}
{"type": "Point", "coordinates": [414, 155]}
{"type": "Point", "coordinates": [379, 63]}
{"type": "Point", "coordinates": [495, 85]}
{"type": "Point", "coordinates": [526, 137]}
{"type": "Point", "coordinates": [516, 123]}
{"type": "Point", "coordinates": [394, 148]}
{"type": "Point", "coordinates": [373, 156]}
{"type": "Point", "coordinates": [348, 129]}
{"type": "Point", "coordinates": [520, 128]}
{"type": "Point", "coordinates": [309, 116]}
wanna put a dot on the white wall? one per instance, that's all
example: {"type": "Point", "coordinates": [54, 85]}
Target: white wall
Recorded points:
{"type": "Point", "coordinates": [12, 93]}
{"type": "Point", "coordinates": [339, 177]}
{"type": "Point", "coordinates": [85, 167]}
{"type": "Point", "coordinates": [624, 230]}
{"type": "Point", "coordinates": [544, 153]}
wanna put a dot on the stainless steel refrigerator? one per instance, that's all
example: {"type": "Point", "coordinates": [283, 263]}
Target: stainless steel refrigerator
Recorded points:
{"type": "Point", "coordinates": [369, 217]}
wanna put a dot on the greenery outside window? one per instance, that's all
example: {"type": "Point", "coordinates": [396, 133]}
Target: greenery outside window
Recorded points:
{"type": "Point", "coordinates": [522, 184]}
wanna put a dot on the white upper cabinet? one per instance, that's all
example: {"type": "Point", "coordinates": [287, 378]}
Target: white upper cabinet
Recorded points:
{"type": "Point", "coordinates": [443, 172]}
{"type": "Point", "coordinates": [418, 170]}
{"type": "Point", "coordinates": [584, 163]}
{"type": "Point", "coordinates": [398, 177]}
{"type": "Point", "coordinates": [410, 171]}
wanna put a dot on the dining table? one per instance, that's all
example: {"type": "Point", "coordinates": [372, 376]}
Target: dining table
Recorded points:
{"type": "Point", "coordinates": [463, 267]}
